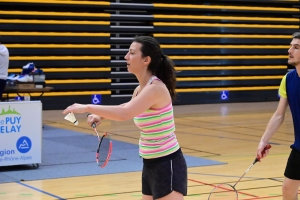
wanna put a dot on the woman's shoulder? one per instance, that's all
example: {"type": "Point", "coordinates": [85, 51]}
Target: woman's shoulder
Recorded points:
{"type": "Point", "coordinates": [159, 86]}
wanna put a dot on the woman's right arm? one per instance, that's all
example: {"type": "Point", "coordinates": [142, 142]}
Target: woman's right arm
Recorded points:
{"type": "Point", "coordinates": [97, 119]}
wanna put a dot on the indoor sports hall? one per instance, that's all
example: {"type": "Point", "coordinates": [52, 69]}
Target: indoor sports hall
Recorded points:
{"type": "Point", "coordinates": [230, 57]}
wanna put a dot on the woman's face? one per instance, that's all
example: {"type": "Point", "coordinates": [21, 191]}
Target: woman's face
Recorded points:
{"type": "Point", "coordinates": [134, 58]}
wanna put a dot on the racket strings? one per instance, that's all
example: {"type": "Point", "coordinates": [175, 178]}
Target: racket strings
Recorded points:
{"type": "Point", "coordinates": [104, 149]}
{"type": "Point", "coordinates": [223, 192]}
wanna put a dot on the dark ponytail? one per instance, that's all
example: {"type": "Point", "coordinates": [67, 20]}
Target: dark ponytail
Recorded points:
{"type": "Point", "coordinates": [161, 65]}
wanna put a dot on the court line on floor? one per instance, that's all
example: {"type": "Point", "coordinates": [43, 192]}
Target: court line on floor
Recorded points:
{"type": "Point", "coordinates": [44, 192]}
{"type": "Point", "coordinates": [267, 197]}
{"type": "Point", "coordinates": [278, 179]}
{"type": "Point", "coordinates": [212, 185]}
{"type": "Point", "coordinates": [255, 197]}
{"type": "Point", "coordinates": [231, 138]}
{"type": "Point", "coordinates": [264, 197]}
{"type": "Point", "coordinates": [221, 175]}
{"type": "Point", "coordinates": [233, 125]}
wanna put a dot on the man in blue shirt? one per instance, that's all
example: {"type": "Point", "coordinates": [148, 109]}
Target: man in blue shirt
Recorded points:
{"type": "Point", "coordinates": [289, 92]}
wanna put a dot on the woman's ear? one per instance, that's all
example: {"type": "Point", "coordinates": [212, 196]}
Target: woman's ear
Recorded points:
{"type": "Point", "coordinates": [147, 60]}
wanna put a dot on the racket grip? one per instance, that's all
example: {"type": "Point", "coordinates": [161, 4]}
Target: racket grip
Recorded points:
{"type": "Point", "coordinates": [93, 124]}
{"type": "Point", "coordinates": [266, 148]}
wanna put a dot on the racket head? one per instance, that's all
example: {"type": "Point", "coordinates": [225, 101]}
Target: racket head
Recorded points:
{"type": "Point", "coordinates": [104, 150]}
{"type": "Point", "coordinates": [223, 192]}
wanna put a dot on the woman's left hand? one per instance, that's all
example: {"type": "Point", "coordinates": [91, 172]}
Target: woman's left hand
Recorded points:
{"type": "Point", "coordinates": [75, 108]}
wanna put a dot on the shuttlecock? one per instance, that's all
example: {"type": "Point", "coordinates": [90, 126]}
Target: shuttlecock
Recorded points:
{"type": "Point", "coordinates": [71, 117]}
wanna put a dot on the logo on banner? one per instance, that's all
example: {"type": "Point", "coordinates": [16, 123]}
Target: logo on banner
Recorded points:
{"type": "Point", "coordinates": [23, 144]}
{"type": "Point", "coordinates": [10, 121]}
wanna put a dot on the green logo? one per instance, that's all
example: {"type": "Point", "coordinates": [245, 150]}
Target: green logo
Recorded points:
{"type": "Point", "coordinates": [9, 112]}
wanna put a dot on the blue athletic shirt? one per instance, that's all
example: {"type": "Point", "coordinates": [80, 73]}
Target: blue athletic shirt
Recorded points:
{"type": "Point", "coordinates": [290, 89]}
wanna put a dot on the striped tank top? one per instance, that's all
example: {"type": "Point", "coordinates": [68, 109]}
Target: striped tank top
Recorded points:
{"type": "Point", "coordinates": [157, 131]}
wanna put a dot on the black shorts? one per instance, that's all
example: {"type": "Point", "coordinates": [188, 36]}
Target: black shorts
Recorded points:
{"type": "Point", "coordinates": [161, 178]}
{"type": "Point", "coordinates": [292, 170]}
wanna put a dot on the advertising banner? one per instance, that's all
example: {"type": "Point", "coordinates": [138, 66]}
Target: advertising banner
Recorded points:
{"type": "Point", "coordinates": [20, 133]}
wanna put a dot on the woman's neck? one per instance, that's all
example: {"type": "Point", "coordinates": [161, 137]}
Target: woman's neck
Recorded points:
{"type": "Point", "coordinates": [143, 80]}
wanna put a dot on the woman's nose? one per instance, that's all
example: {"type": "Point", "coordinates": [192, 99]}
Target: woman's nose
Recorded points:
{"type": "Point", "coordinates": [125, 56]}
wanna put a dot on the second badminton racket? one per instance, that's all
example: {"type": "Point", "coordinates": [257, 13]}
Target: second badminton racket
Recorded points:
{"type": "Point", "coordinates": [226, 191]}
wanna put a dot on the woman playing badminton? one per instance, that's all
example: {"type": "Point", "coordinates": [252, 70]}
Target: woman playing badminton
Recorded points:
{"type": "Point", "coordinates": [164, 173]}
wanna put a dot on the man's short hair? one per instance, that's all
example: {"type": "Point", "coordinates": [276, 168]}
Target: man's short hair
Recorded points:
{"type": "Point", "coordinates": [295, 35]}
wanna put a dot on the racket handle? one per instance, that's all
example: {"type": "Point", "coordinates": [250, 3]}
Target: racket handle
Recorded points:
{"type": "Point", "coordinates": [93, 124]}
{"type": "Point", "coordinates": [266, 148]}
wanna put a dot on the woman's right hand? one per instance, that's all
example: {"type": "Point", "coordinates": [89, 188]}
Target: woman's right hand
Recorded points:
{"type": "Point", "coordinates": [93, 119]}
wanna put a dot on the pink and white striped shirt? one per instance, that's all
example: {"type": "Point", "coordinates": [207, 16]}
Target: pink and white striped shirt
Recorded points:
{"type": "Point", "coordinates": [157, 131]}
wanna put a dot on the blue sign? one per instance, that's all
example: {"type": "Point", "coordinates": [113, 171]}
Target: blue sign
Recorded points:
{"type": "Point", "coordinates": [18, 98]}
{"type": "Point", "coordinates": [96, 99]}
{"type": "Point", "coordinates": [224, 95]}
{"type": "Point", "coordinates": [23, 144]}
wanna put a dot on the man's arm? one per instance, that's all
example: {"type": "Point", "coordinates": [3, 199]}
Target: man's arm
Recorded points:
{"type": "Point", "coordinates": [272, 126]}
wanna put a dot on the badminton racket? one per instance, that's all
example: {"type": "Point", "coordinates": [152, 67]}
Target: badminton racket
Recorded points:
{"type": "Point", "coordinates": [226, 191]}
{"type": "Point", "coordinates": [104, 148]}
